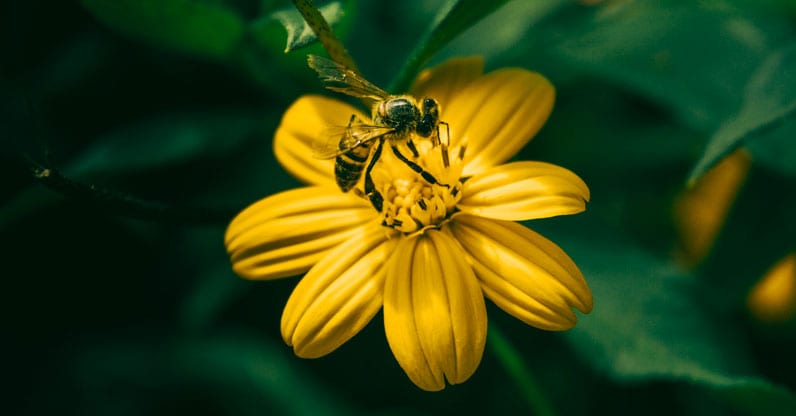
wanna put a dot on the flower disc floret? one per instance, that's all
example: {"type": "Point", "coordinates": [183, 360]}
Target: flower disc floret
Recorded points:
{"type": "Point", "coordinates": [412, 203]}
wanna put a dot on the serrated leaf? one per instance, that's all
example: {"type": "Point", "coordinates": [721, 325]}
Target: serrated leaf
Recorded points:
{"type": "Point", "coordinates": [460, 16]}
{"type": "Point", "coordinates": [649, 323]}
{"type": "Point", "coordinates": [299, 33]}
{"type": "Point", "coordinates": [769, 102]}
{"type": "Point", "coordinates": [165, 141]}
{"type": "Point", "coordinates": [199, 27]}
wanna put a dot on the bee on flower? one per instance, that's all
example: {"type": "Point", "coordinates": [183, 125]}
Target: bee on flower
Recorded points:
{"type": "Point", "coordinates": [395, 119]}
{"type": "Point", "coordinates": [431, 251]}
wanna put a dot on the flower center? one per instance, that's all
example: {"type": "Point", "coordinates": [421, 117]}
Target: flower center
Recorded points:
{"type": "Point", "coordinates": [413, 202]}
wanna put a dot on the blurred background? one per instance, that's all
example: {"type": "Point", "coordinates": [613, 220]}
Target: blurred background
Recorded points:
{"type": "Point", "coordinates": [131, 132]}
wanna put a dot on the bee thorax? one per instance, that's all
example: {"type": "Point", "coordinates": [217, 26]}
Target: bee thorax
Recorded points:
{"type": "Point", "coordinates": [399, 113]}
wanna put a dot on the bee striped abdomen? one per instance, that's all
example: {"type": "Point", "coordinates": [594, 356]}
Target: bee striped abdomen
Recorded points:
{"type": "Point", "coordinates": [348, 166]}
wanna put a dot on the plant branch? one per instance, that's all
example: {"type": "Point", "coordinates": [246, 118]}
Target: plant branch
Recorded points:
{"type": "Point", "coordinates": [324, 33]}
{"type": "Point", "coordinates": [117, 203]}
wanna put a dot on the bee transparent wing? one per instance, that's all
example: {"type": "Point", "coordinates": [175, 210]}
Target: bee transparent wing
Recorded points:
{"type": "Point", "coordinates": [330, 142]}
{"type": "Point", "coordinates": [341, 79]}
{"type": "Point", "coordinates": [336, 140]}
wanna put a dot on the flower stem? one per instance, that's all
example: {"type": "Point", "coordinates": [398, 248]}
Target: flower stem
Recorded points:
{"type": "Point", "coordinates": [513, 363]}
{"type": "Point", "coordinates": [455, 19]}
{"type": "Point", "coordinates": [323, 31]}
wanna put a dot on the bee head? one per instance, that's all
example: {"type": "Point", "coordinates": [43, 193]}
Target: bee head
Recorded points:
{"type": "Point", "coordinates": [430, 107]}
{"type": "Point", "coordinates": [430, 117]}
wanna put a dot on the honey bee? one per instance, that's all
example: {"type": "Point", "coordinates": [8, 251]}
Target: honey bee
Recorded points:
{"type": "Point", "coordinates": [394, 119]}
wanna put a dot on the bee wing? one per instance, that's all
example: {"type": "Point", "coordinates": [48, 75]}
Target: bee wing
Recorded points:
{"type": "Point", "coordinates": [336, 140]}
{"type": "Point", "coordinates": [341, 79]}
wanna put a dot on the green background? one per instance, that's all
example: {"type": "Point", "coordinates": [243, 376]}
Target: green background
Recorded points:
{"type": "Point", "coordinates": [118, 297]}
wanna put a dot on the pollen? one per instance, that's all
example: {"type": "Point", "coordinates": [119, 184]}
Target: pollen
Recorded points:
{"type": "Point", "coordinates": [413, 203]}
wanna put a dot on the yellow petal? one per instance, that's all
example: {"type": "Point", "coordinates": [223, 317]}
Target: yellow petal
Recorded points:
{"type": "Point", "coordinates": [301, 126]}
{"type": "Point", "coordinates": [525, 274]}
{"type": "Point", "coordinates": [773, 298]}
{"type": "Point", "coordinates": [285, 234]}
{"type": "Point", "coordinates": [497, 114]}
{"type": "Point", "coordinates": [339, 295]}
{"type": "Point", "coordinates": [700, 211]}
{"type": "Point", "coordinates": [443, 81]}
{"type": "Point", "coordinates": [523, 191]}
{"type": "Point", "coordinates": [434, 312]}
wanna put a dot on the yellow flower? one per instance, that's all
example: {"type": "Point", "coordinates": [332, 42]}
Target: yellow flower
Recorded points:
{"type": "Point", "coordinates": [433, 251]}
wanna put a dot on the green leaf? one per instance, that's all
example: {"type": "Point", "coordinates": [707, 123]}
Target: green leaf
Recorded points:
{"type": "Point", "coordinates": [689, 58]}
{"type": "Point", "coordinates": [769, 102]}
{"type": "Point", "coordinates": [214, 286]}
{"type": "Point", "coordinates": [299, 33]}
{"type": "Point", "coordinates": [503, 36]}
{"type": "Point", "coordinates": [166, 141]}
{"type": "Point", "coordinates": [246, 375]}
{"type": "Point", "coordinates": [615, 137]}
{"type": "Point", "coordinates": [776, 149]}
{"type": "Point", "coordinates": [649, 323]}
{"type": "Point", "coordinates": [203, 28]}
{"type": "Point", "coordinates": [217, 288]}
{"type": "Point", "coordinates": [459, 17]}
{"type": "Point", "coordinates": [763, 213]}
{"type": "Point", "coordinates": [161, 142]}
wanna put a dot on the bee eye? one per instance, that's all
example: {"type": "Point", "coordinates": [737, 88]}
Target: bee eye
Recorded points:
{"type": "Point", "coordinates": [429, 104]}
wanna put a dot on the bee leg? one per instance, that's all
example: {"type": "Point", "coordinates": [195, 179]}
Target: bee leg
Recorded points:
{"type": "Point", "coordinates": [411, 145]}
{"type": "Point", "coordinates": [415, 167]}
{"type": "Point", "coordinates": [370, 189]}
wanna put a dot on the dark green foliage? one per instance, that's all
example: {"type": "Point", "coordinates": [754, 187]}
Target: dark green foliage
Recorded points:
{"type": "Point", "coordinates": [170, 106]}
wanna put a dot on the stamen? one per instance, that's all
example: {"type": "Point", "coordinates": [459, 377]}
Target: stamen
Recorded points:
{"type": "Point", "coordinates": [420, 192]}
